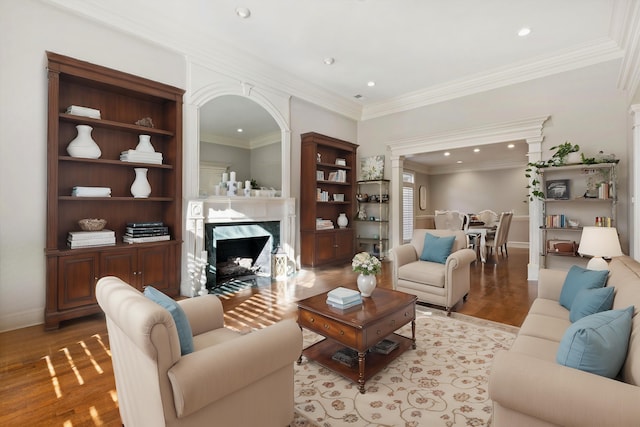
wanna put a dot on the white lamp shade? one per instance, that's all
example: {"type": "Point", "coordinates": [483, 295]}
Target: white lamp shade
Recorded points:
{"type": "Point", "coordinates": [599, 242]}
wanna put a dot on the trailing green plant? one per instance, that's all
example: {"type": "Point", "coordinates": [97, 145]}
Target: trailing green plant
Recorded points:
{"type": "Point", "coordinates": [533, 172]}
{"type": "Point", "coordinates": [562, 151]}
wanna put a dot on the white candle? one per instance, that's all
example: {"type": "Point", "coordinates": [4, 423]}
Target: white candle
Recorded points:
{"type": "Point", "coordinates": [233, 176]}
{"type": "Point", "coordinates": [247, 184]}
{"type": "Point", "coordinates": [225, 177]}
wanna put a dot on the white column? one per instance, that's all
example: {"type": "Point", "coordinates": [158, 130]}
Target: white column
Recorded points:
{"type": "Point", "coordinates": [535, 214]}
{"type": "Point", "coordinates": [395, 223]}
{"type": "Point", "coordinates": [634, 214]}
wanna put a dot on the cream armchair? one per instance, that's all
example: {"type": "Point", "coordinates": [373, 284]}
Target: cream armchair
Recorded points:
{"type": "Point", "coordinates": [229, 378]}
{"type": "Point", "coordinates": [432, 282]}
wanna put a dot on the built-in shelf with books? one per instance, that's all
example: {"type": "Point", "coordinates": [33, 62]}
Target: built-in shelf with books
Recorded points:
{"type": "Point", "coordinates": [118, 107]}
{"type": "Point", "coordinates": [372, 217]}
{"type": "Point", "coordinates": [327, 189]}
{"type": "Point", "coordinates": [575, 196]}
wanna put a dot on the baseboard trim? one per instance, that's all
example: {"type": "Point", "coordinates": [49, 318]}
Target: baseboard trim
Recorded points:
{"type": "Point", "coordinates": [22, 319]}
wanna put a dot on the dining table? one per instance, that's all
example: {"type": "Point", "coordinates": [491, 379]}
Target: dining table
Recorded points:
{"type": "Point", "coordinates": [479, 230]}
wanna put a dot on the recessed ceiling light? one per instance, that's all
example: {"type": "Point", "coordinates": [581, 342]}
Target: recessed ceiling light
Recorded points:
{"type": "Point", "coordinates": [243, 12]}
{"type": "Point", "coordinates": [524, 31]}
{"type": "Point", "coordinates": [240, 130]}
{"type": "Point", "coordinates": [476, 150]}
{"type": "Point", "coordinates": [329, 60]}
{"type": "Point", "coordinates": [459, 161]}
{"type": "Point", "coordinates": [446, 153]}
{"type": "Point", "coordinates": [511, 145]}
{"type": "Point", "coordinates": [371, 83]}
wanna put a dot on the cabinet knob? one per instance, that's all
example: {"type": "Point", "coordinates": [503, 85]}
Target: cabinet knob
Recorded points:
{"type": "Point", "coordinates": [312, 320]}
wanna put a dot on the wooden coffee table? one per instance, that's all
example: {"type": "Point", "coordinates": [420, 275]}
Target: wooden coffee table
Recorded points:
{"type": "Point", "coordinates": [358, 328]}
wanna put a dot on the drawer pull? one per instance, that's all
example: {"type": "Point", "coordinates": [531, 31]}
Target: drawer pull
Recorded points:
{"type": "Point", "coordinates": [378, 332]}
{"type": "Point", "coordinates": [312, 320]}
{"type": "Point", "coordinates": [341, 332]}
{"type": "Point", "coordinates": [326, 326]}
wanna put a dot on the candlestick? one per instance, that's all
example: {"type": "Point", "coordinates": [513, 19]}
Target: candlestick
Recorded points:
{"type": "Point", "coordinates": [233, 176]}
{"type": "Point", "coordinates": [247, 184]}
{"type": "Point", "coordinates": [225, 177]}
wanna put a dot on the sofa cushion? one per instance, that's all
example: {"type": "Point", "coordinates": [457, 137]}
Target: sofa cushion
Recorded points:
{"type": "Point", "coordinates": [579, 278]}
{"type": "Point", "coordinates": [179, 317]}
{"type": "Point", "coordinates": [591, 301]}
{"type": "Point", "coordinates": [437, 249]}
{"type": "Point", "coordinates": [597, 343]}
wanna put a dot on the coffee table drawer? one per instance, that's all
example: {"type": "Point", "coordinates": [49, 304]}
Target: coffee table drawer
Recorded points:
{"type": "Point", "coordinates": [379, 330]}
{"type": "Point", "coordinates": [328, 328]}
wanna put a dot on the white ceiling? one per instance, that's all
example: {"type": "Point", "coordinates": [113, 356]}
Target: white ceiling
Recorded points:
{"type": "Point", "coordinates": [418, 52]}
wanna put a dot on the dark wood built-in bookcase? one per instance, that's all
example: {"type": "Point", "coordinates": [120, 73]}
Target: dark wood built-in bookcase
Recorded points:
{"type": "Point", "coordinates": [122, 100]}
{"type": "Point", "coordinates": [323, 158]}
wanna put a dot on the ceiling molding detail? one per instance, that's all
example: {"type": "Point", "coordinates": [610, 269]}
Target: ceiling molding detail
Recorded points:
{"type": "Point", "coordinates": [629, 40]}
{"type": "Point", "coordinates": [524, 129]}
{"type": "Point", "coordinates": [602, 51]}
{"type": "Point", "coordinates": [484, 167]}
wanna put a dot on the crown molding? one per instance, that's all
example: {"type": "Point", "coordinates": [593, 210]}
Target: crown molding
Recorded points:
{"type": "Point", "coordinates": [565, 60]}
{"type": "Point", "coordinates": [627, 19]}
{"type": "Point", "coordinates": [483, 167]}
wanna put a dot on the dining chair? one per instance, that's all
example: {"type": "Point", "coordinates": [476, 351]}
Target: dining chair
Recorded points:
{"type": "Point", "coordinates": [489, 217]}
{"type": "Point", "coordinates": [450, 220]}
{"type": "Point", "coordinates": [499, 240]}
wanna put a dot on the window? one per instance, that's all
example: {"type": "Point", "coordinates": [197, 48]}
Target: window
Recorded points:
{"type": "Point", "coordinates": [407, 205]}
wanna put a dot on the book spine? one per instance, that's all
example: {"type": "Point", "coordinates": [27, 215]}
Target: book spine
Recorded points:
{"type": "Point", "coordinates": [145, 224]}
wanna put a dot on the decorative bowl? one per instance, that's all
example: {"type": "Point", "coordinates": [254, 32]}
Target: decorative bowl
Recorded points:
{"type": "Point", "coordinates": [92, 224]}
{"type": "Point", "coordinates": [362, 197]}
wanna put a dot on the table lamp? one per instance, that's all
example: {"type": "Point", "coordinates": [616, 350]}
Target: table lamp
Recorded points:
{"type": "Point", "coordinates": [599, 242]}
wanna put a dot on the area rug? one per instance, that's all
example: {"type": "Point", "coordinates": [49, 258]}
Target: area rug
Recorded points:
{"type": "Point", "coordinates": [441, 383]}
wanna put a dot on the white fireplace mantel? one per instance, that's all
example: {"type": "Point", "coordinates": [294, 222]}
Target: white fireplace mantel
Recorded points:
{"type": "Point", "coordinates": [221, 209]}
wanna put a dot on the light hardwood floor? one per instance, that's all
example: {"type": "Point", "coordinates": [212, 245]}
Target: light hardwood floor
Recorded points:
{"type": "Point", "coordinates": [64, 377]}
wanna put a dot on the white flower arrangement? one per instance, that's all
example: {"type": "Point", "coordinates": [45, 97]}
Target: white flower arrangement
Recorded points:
{"type": "Point", "coordinates": [366, 264]}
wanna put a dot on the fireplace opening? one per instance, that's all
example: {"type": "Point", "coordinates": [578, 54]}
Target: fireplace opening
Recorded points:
{"type": "Point", "coordinates": [239, 251]}
{"type": "Point", "coordinates": [243, 257]}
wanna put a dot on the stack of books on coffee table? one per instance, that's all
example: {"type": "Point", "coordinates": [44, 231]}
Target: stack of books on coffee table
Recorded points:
{"type": "Point", "coordinates": [344, 298]}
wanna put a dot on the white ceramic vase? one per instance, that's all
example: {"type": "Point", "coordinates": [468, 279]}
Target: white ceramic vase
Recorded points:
{"type": "Point", "coordinates": [342, 220]}
{"type": "Point", "coordinates": [141, 187]}
{"type": "Point", "coordinates": [366, 284]}
{"type": "Point", "coordinates": [83, 145]}
{"type": "Point", "coordinates": [144, 144]}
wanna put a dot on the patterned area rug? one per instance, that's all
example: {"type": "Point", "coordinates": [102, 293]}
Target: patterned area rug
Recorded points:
{"type": "Point", "coordinates": [441, 383]}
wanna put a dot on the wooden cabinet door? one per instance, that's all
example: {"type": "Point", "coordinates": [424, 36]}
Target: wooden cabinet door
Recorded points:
{"type": "Point", "coordinates": [325, 248]}
{"type": "Point", "coordinates": [344, 244]}
{"type": "Point", "coordinates": [154, 268]}
{"type": "Point", "coordinates": [77, 276]}
{"type": "Point", "coordinates": [121, 264]}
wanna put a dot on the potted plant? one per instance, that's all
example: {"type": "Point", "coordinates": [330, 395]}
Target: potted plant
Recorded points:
{"type": "Point", "coordinates": [533, 171]}
{"type": "Point", "coordinates": [563, 154]}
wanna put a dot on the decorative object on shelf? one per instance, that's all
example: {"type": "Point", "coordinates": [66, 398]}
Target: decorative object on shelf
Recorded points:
{"type": "Point", "coordinates": [141, 188]}
{"type": "Point", "coordinates": [372, 168]}
{"type": "Point", "coordinates": [558, 189]}
{"type": "Point", "coordinates": [341, 162]}
{"type": "Point", "coordinates": [146, 122]}
{"type": "Point", "coordinates": [343, 221]}
{"type": "Point", "coordinates": [319, 158]}
{"type": "Point", "coordinates": [362, 198]}
{"type": "Point", "coordinates": [92, 224]}
{"type": "Point", "coordinates": [83, 145]}
{"type": "Point", "coordinates": [338, 197]}
{"type": "Point", "coordinates": [368, 266]}
{"type": "Point", "coordinates": [599, 242]}
{"type": "Point", "coordinates": [144, 144]}
{"type": "Point", "coordinates": [561, 156]}
{"type": "Point", "coordinates": [77, 110]}
{"type": "Point", "coordinates": [362, 213]}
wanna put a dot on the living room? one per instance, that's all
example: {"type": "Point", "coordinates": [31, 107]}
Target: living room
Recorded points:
{"type": "Point", "coordinates": [587, 103]}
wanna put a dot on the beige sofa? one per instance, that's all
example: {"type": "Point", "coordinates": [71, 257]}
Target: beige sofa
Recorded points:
{"type": "Point", "coordinates": [529, 388]}
{"type": "Point", "coordinates": [229, 379]}
{"type": "Point", "coordinates": [434, 283]}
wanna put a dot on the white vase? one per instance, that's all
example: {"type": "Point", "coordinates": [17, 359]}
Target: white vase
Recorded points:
{"type": "Point", "coordinates": [342, 220]}
{"type": "Point", "coordinates": [140, 187]}
{"type": "Point", "coordinates": [144, 144]}
{"type": "Point", "coordinates": [366, 284]}
{"type": "Point", "coordinates": [83, 145]}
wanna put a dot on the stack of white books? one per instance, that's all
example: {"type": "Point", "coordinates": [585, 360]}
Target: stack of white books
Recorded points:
{"type": "Point", "coordinates": [91, 192]}
{"type": "Point", "coordinates": [76, 110]}
{"type": "Point", "coordinates": [344, 298]}
{"type": "Point", "coordinates": [86, 239]}
{"type": "Point", "coordinates": [141, 157]}
{"type": "Point", "coordinates": [324, 224]}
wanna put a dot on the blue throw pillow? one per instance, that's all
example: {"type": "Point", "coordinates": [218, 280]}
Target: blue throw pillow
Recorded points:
{"type": "Point", "coordinates": [591, 301]}
{"type": "Point", "coordinates": [579, 278]}
{"type": "Point", "coordinates": [437, 249]}
{"type": "Point", "coordinates": [179, 317]}
{"type": "Point", "coordinates": [597, 343]}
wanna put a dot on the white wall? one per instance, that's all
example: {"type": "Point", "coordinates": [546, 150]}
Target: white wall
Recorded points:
{"type": "Point", "coordinates": [28, 28]}
{"type": "Point", "coordinates": [585, 107]}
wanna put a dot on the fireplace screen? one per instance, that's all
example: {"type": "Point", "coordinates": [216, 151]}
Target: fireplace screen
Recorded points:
{"type": "Point", "coordinates": [239, 250]}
